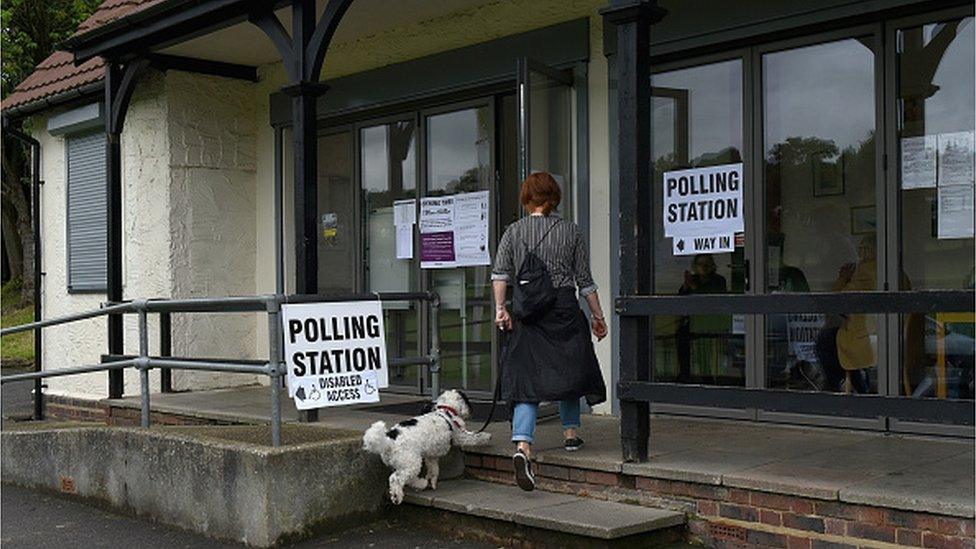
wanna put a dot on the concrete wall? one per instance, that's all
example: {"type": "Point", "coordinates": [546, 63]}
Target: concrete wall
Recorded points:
{"type": "Point", "coordinates": [248, 493]}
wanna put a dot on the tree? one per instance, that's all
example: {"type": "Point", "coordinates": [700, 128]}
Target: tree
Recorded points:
{"type": "Point", "coordinates": [31, 30]}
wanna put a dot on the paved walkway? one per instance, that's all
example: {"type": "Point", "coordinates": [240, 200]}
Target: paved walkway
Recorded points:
{"type": "Point", "coordinates": [35, 519]}
{"type": "Point", "coordinates": [916, 473]}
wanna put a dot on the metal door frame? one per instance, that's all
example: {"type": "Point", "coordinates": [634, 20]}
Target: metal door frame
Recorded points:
{"type": "Point", "coordinates": [489, 103]}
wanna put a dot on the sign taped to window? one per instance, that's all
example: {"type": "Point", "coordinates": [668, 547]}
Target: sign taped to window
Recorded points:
{"type": "Point", "coordinates": [703, 201]}
{"type": "Point", "coordinates": [335, 353]}
{"type": "Point", "coordinates": [694, 245]}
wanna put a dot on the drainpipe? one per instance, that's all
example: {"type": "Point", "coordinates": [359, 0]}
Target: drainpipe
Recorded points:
{"type": "Point", "coordinates": [35, 147]}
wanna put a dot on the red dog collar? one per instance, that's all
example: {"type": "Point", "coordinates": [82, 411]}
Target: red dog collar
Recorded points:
{"type": "Point", "coordinates": [451, 416]}
{"type": "Point", "coordinates": [448, 409]}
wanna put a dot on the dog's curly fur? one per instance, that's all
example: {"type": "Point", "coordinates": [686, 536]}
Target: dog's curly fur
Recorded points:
{"type": "Point", "coordinates": [421, 441]}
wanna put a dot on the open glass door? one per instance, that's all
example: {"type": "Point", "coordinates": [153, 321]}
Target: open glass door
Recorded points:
{"type": "Point", "coordinates": [545, 126]}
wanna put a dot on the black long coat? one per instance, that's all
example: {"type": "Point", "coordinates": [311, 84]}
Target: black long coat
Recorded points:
{"type": "Point", "coordinates": [552, 358]}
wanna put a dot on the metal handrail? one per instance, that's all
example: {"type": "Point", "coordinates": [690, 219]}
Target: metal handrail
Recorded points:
{"type": "Point", "coordinates": [117, 308]}
{"type": "Point", "coordinates": [270, 303]}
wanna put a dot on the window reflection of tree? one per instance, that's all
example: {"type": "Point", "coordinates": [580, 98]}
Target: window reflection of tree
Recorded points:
{"type": "Point", "coordinates": [719, 355]}
{"type": "Point", "coordinates": [926, 370]}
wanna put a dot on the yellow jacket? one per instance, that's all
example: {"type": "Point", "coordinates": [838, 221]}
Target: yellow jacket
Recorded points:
{"type": "Point", "coordinates": [857, 337]}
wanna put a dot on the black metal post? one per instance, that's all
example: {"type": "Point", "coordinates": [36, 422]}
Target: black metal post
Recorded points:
{"type": "Point", "coordinates": [304, 94]}
{"type": "Point", "coordinates": [36, 221]}
{"type": "Point", "coordinates": [113, 174]}
{"type": "Point", "coordinates": [632, 20]}
{"type": "Point", "coordinates": [165, 350]}
{"type": "Point", "coordinates": [302, 53]}
{"type": "Point", "coordinates": [119, 85]}
{"type": "Point", "coordinates": [35, 152]}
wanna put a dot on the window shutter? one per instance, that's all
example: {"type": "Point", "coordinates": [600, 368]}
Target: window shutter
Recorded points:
{"type": "Point", "coordinates": [87, 213]}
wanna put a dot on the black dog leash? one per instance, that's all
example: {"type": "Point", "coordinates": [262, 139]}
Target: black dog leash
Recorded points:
{"type": "Point", "coordinates": [498, 382]}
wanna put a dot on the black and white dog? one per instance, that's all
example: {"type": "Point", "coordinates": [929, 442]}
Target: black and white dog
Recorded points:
{"type": "Point", "coordinates": [422, 440]}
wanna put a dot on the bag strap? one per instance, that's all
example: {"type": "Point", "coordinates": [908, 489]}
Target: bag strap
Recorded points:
{"type": "Point", "coordinates": [544, 235]}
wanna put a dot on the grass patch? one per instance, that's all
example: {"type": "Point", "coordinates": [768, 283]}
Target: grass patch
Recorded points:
{"type": "Point", "coordinates": [16, 351]}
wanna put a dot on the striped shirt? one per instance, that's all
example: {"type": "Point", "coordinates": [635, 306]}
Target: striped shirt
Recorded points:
{"type": "Point", "coordinates": [563, 251]}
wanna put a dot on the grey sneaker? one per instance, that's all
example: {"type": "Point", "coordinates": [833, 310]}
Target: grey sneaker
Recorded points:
{"type": "Point", "coordinates": [523, 471]}
{"type": "Point", "coordinates": [573, 444]}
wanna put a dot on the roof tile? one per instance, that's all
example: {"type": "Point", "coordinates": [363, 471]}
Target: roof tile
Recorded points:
{"type": "Point", "coordinates": [58, 74]}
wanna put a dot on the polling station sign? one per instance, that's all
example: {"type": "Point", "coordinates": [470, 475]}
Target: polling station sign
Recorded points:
{"type": "Point", "coordinates": [703, 201]}
{"type": "Point", "coordinates": [335, 353]}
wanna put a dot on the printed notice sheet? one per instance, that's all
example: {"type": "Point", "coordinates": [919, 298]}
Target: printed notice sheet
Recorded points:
{"type": "Point", "coordinates": [955, 211]}
{"type": "Point", "coordinates": [404, 218]}
{"type": "Point", "coordinates": [956, 159]}
{"type": "Point", "coordinates": [703, 201]}
{"type": "Point", "coordinates": [454, 231]}
{"type": "Point", "coordinates": [918, 167]}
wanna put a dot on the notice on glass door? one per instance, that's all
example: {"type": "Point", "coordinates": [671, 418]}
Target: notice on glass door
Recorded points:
{"type": "Point", "coordinates": [918, 167]}
{"type": "Point", "coordinates": [454, 231]}
{"type": "Point", "coordinates": [956, 159]}
{"type": "Point", "coordinates": [404, 218]}
{"type": "Point", "coordinates": [955, 211]}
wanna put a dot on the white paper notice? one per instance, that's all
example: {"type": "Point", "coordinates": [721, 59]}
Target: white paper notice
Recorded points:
{"type": "Point", "coordinates": [704, 201]}
{"type": "Point", "coordinates": [918, 168]}
{"type": "Point", "coordinates": [803, 330]}
{"type": "Point", "coordinates": [471, 229]}
{"type": "Point", "coordinates": [956, 158]}
{"type": "Point", "coordinates": [404, 241]}
{"type": "Point", "coordinates": [956, 211]}
{"type": "Point", "coordinates": [454, 231]}
{"type": "Point", "coordinates": [404, 218]}
{"type": "Point", "coordinates": [694, 245]}
{"type": "Point", "coordinates": [405, 212]}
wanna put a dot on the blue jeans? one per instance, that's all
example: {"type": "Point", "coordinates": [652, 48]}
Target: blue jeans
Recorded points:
{"type": "Point", "coordinates": [524, 415]}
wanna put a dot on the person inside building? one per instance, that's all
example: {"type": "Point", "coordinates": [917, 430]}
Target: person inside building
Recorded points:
{"type": "Point", "coordinates": [848, 349]}
{"type": "Point", "coordinates": [549, 356]}
{"type": "Point", "coordinates": [702, 279]}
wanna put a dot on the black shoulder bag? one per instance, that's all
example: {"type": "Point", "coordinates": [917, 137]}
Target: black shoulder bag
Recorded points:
{"type": "Point", "coordinates": [533, 294]}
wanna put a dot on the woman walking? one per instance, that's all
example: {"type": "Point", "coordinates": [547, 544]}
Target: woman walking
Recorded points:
{"type": "Point", "coordinates": [549, 355]}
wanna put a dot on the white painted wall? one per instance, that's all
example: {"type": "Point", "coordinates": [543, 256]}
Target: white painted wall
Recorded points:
{"type": "Point", "coordinates": [188, 160]}
{"type": "Point", "coordinates": [73, 344]}
{"type": "Point", "coordinates": [212, 217]}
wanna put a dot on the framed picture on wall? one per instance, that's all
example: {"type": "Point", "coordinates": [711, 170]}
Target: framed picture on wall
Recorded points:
{"type": "Point", "coordinates": [828, 177]}
{"type": "Point", "coordinates": [864, 220]}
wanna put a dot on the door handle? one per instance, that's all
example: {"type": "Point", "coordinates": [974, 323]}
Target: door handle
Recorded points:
{"type": "Point", "coordinates": [746, 275]}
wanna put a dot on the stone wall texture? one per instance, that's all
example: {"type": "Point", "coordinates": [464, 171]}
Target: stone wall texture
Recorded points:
{"type": "Point", "coordinates": [188, 161]}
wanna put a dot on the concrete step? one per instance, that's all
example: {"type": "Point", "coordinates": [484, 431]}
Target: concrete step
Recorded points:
{"type": "Point", "coordinates": [564, 513]}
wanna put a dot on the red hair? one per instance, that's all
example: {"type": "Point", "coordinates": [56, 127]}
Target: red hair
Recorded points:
{"type": "Point", "coordinates": [540, 189]}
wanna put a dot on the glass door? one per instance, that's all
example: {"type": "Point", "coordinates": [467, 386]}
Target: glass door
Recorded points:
{"type": "Point", "coordinates": [932, 145]}
{"type": "Point", "coordinates": [697, 121]}
{"type": "Point", "coordinates": [821, 187]}
{"type": "Point", "coordinates": [388, 170]}
{"type": "Point", "coordinates": [338, 229]}
{"type": "Point", "coordinates": [545, 120]}
{"type": "Point", "coordinates": [459, 158]}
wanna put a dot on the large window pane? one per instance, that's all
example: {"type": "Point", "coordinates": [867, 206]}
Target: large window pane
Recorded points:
{"type": "Point", "coordinates": [935, 177]}
{"type": "Point", "coordinates": [696, 121]}
{"type": "Point", "coordinates": [389, 170]}
{"type": "Point", "coordinates": [338, 241]}
{"type": "Point", "coordinates": [459, 160]}
{"type": "Point", "coordinates": [818, 112]}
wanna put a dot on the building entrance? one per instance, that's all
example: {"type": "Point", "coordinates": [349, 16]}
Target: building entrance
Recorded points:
{"type": "Point", "coordinates": [369, 165]}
